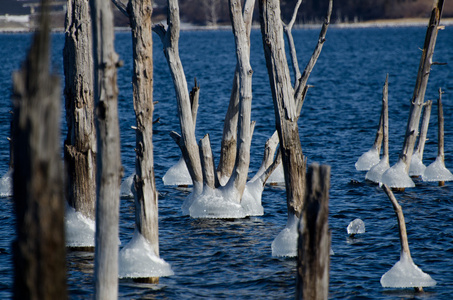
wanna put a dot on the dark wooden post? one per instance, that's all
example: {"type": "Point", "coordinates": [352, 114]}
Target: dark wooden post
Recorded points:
{"type": "Point", "coordinates": [440, 132]}
{"type": "Point", "coordinates": [39, 250]}
{"type": "Point", "coordinates": [314, 240]}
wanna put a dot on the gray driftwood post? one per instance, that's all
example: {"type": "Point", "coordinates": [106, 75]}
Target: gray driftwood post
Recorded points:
{"type": "Point", "coordinates": [313, 261]}
{"type": "Point", "coordinates": [424, 129]}
{"type": "Point", "coordinates": [288, 99]}
{"type": "Point", "coordinates": [420, 85]}
{"type": "Point", "coordinates": [39, 250]}
{"type": "Point", "coordinates": [109, 169]}
{"type": "Point", "coordinates": [440, 131]}
{"type": "Point", "coordinates": [80, 144]}
{"type": "Point", "coordinates": [146, 206]}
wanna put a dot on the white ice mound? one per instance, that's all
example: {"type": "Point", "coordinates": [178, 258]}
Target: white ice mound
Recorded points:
{"type": "Point", "coordinates": [137, 260]}
{"type": "Point", "coordinates": [405, 274]}
{"type": "Point", "coordinates": [178, 174]}
{"type": "Point", "coordinates": [217, 203]}
{"type": "Point", "coordinates": [417, 168]}
{"type": "Point", "coordinates": [251, 199]}
{"type": "Point", "coordinates": [376, 171]}
{"type": "Point", "coordinates": [396, 176]}
{"type": "Point", "coordinates": [355, 227]}
{"type": "Point", "coordinates": [126, 187]}
{"type": "Point", "coordinates": [6, 184]}
{"type": "Point", "coordinates": [285, 244]}
{"type": "Point", "coordinates": [367, 160]}
{"type": "Point", "coordinates": [278, 176]}
{"type": "Point", "coordinates": [80, 230]}
{"type": "Point", "coordinates": [437, 171]}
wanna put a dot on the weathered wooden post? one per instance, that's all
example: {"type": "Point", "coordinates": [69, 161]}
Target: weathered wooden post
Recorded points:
{"type": "Point", "coordinates": [440, 132]}
{"type": "Point", "coordinates": [313, 261]}
{"type": "Point", "coordinates": [80, 145]}
{"type": "Point", "coordinates": [109, 169]}
{"type": "Point", "coordinates": [39, 250]}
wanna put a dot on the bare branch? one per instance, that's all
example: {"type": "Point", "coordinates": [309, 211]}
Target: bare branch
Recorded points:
{"type": "Point", "coordinates": [292, 47]}
{"type": "Point", "coordinates": [121, 7]}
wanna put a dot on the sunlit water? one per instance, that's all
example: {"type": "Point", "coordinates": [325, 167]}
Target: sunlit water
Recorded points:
{"type": "Point", "coordinates": [232, 258]}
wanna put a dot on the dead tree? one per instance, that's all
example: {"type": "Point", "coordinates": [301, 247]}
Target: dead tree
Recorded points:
{"type": "Point", "coordinates": [313, 261]}
{"type": "Point", "coordinates": [287, 99]}
{"type": "Point", "coordinates": [80, 144]}
{"type": "Point", "coordinates": [39, 250]}
{"type": "Point", "coordinates": [109, 169]}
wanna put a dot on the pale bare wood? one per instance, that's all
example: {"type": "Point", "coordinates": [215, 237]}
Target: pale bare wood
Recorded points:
{"type": "Point", "coordinates": [39, 246]}
{"type": "Point", "coordinates": [146, 198]}
{"type": "Point", "coordinates": [194, 96]}
{"type": "Point", "coordinates": [292, 48]}
{"type": "Point", "coordinates": [421, 84]}
{"type": "Point", "coordinates": [440, 133]}
{"type": "Point", "coordinates": [109, 169]}
{"type": "Point", "coordinates": [207, 162]}
{"type": "Point", "coordinates": [424, 128]}
{"type": "Point", "coordinates": [314, 242]}
{"type": "Point", "coordinates": [385, 119]}
{"type": "Point", "coordinates": [80, 149]}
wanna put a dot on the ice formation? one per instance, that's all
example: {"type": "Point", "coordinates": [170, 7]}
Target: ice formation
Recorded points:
{"type": "Point", "coordinates": [251, 199]}
{"type": "Point", "coordinates": [126, 187]}
{"type": "Point", "coordinates": [137, 260]}
{"type": "Point", "coordinates": [80, 230]}
{"type": "Point", "coordinates": [6, 184]}
{"type": "Point", "coordinates": [178, 174]}
{"type": "Point", "coordinates": [405, 274]}
{"type": "Point", "coordinates": [355, 227]}
{"type": "Point", "coordinates": [376, 171]}
{"type": "Point", "coordinates": [367, 160]}
{"type": "Point", "coordinates": [417, 168]}
{"type": "Point", "coordinates": [396, 176]}
{"type": "Point", "coordinates": [278, 176]}
{"type": "Point", "coordinates": [285, 244]}
{"type": "Point", "coordinates": [437, 171]}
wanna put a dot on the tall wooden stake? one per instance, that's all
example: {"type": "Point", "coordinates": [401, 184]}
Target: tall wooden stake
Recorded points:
{"type": "Point", "coordinates": [109, 169]}
{"type": "Point", "coordinates": [39, 250]}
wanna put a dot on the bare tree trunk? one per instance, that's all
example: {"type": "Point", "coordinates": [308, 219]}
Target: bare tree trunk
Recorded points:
{"type": "Point", "coordinates": [385, 120]}
{"type": "Point", "coordinates": [440, 132]}
{"type": "Point", "coordinates": [421, 84]}
{"type": "Point", "coordinates": [109, 169]}
{"type": "Point", "coordinates": [424, 129]}
{"type": "Point", "coordinates": [80, 144]}
{"type": "Point", "coordinates": [313, 261]}
{"type": "Point", "coordinates": [39, 250]}
{"type": "Point", "coordinates": [146, 207]}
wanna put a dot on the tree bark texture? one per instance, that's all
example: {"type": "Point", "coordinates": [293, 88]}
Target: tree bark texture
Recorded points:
{"type": "Point", "coordinates": [421, 84]}
{"type": "Point", "coordinates": [39, 249]}
{"type": "Point", "coordinates": [109, 169]}
{"type": "Point", "coordinates": [146, 199]}
{"type": "Point", "coordinates": [294, 163]}
{"type": "Point", "coordinates": [440, 127]}
{"type": "Point", "coordinates": [80, 144]}
{"type": "Point", "coordinates": [314, 240]}
{"type": "Point", "coordinates": [424, 128]}
{"type": "Point", "coordinates": [385, 120]}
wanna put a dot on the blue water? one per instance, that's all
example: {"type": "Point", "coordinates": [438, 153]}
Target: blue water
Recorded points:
{"type": "Point", "coordinates": [232, 258]}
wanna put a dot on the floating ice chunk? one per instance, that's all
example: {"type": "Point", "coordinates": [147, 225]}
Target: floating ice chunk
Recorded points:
{"type": "Point", "coordinates": [405, 274]}
{"type": "Point", "coordinates": [137, 260]}
{"type": "Point", "coordinates": [6, 184]}
{"type": "Point", "coordinates": [417, 168]}
{"type": "Point", "coordinates": [396, 176]}
{"type": "Point", "coordinates": [278, 176]}
{"type": "Point", "coordinates": [437, 171]}
{"type": "Point", "coordinates": [367, 160]}
{"type": "Point", "coordinates": [126, 187]}
{"type": "Point", "coordinates": [285, 244]}
{"type": "Point", "coordinates": [178, 174]}
{"type": "Point", "coordinates": [80, 230]}
{"type": "Point", "coordinates": [251, 199]}
{"type": "Point", "coordinates": [355, 227]}
{"type": "Point", "coordinates": [217, 203]}
{"type": "Point", "coordinates": [376, 171]}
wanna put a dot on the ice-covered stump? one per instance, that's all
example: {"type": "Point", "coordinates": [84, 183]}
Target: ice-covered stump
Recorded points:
{"type": "Point", "coordinates": [6, 184]}
{"type": "Point", "coordinates": [376, 172]}
{"type": "Point", "coordinates": [397, 177]}
{"type": "Point", "coordinates": [405, 274]}
{"type": "Point", "coordinates": [80, 230]}
{"type": "Point", "coordinates": [417, 168]}
{"type": "Point", "coordinates": [367, 160]}
{"type": "Point", "coordinates": [137, 260]}
{"type": "Point", "coordinates": [251, 199]}
{"type": "Point", "coordinates": [356, 227]}
{"type": "Point", "coordinates": [437, 171]}
{"type": "Point", "coordinates": [285, 244]}
{"type": "Point", "coordinates": [178, 174]}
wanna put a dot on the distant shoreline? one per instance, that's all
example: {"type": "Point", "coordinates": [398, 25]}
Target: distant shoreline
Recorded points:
{"type": "Point", "coordinates": [190, 27]}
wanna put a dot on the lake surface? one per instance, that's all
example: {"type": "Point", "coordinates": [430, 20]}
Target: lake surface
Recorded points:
{"type": "Point", "coordinates": [232, 258]}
